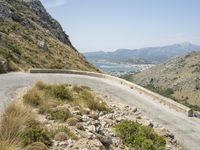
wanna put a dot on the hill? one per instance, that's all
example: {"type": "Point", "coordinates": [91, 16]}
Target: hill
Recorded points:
{"type": "Point", "coordinates": [144, 55]}
{"type": "Point", "coordinates": [178, 78]}
{"type": "Point", "coordinates": [31, 38]}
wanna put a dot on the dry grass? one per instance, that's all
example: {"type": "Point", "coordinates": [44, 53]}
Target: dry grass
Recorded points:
{"type": "Point", "coordinates": [86, 99]}
{"type": "Point", "coordinates": [19, 41]}
{"type": "Point", "coordinates": [33, 97]}
{"type": "Point", "coordinates": [46, 96]}
{"type": "Point", "coordinates": [6, 145]}
{"type": "Point", "coordinates": [13, 121]}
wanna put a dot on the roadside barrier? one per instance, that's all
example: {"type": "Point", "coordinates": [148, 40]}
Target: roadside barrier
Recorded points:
{"type": "Point", "coordinates": [163, 100]}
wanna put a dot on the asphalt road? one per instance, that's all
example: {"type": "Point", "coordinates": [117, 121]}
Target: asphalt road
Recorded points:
{"type": "Point", "coordinates": [185, 129]}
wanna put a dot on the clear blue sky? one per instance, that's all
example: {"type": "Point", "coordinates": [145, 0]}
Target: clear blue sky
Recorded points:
{"type": "Point", "coordinates": [113, 24]}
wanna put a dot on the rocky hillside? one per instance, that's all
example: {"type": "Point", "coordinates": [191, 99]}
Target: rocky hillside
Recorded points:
{"type": "Point", "coordinates": [178, 78]}
{"type": "Point", "coordinates": [31, 38]}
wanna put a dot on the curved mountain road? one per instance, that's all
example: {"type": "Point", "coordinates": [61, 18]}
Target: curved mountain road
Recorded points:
{"type": "Point", "coordinates": [185, 129]}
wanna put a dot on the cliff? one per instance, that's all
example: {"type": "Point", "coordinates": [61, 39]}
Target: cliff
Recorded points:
{"type": "Point", "coordinates": [31, 38]}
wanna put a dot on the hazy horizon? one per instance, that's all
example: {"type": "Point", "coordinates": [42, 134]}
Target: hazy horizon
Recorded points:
{"type": "Point", "coordinates": [131, 24]}
{"type": "Point", "coordinates": [142, 47]}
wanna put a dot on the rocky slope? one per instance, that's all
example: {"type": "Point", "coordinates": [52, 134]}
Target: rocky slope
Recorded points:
{"type": "Point", "coordinates": [30, 37]}
{"type": "Point", "coordinates": [63, 124]}
{"type": "Point", "coordinates": [178, 78]}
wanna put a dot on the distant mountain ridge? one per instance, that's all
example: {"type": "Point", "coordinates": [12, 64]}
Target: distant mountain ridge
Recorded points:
{"type": "Point", "coordinates": [144, 55]}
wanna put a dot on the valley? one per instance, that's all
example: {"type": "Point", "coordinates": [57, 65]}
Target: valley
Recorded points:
{"type": "Point", "coordinates": [119, 69]}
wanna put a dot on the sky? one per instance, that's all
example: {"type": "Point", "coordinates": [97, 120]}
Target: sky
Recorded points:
{"type": "Point", "coordinates": [107, 25]}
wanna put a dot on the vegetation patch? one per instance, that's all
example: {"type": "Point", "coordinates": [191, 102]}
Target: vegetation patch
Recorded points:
{"type": "Point", "coordinates": [13, 119]}
{"type": "Point", "coordinates": [85, 99]}
{"type": "Point", "coordinates": [62, 129]}
{"type": "Point", "coordinates": [33, 97]}
{"type": "Point", "coordinates": [61, 92]}
{"type": "Point", "coordinates": [169, 94]}
{"type": "Point", "coordinates": [139, 137]}
{"type": "Point", "coordinates": [61, 115]}
{"type": "Point", "coordinates": [35, 133]}
{"type": "Point", "coordinates": [13, 122]}
{"type": "Point", "coordinates": [46, 96]}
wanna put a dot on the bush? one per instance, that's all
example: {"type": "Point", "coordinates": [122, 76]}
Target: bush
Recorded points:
{"type": "Point", "coordinates": [61, 115]}
{"type": "Point", "coordinates": [61, 92]}
{"type": "Point", "coordinates": [34, 133]}
{"type": "Point", "coordinates": [165, 92]}
{"type": "Point", "coordinates": [139, 137]}
{"type": "Point", "coordinates": [33, 98]}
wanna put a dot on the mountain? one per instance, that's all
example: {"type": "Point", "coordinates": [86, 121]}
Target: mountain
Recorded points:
{"type": "Point", "coordinates": [144, 55]}
{"type": "Point", "coordinates": [31, 38]}
{"type": "Point", "coordinates": [178, 78]}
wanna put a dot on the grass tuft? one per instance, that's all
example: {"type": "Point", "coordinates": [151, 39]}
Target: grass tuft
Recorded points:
{"type": "Point", "coordinates": [15, 117]}
{"type": "Point", "coordinates": [64, 129]}
{"type": "Point", "coordinates": [33, 97]}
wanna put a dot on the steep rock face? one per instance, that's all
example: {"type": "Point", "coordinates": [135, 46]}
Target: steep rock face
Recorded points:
{"type": "Point", "coordinates": [178, 78]}
{"type": "Point", "coordinates": [7, 10]}
{"type": "Point", "coordinates": [30, 37]}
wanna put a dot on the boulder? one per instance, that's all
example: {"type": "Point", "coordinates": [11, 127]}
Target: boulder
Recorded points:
{"type": "Point", "coordinates": [61, 136]}
{"type": "Point", "coordinates": [72, 121]}
{"type": "Point", "coordinates": [80, 126]}
{"type": "Point", "coordinates": [43, 45]}
{"type": "Point", "coordinates": [36, 146]}
{"type": "Point", "coordinates": [3, 66]}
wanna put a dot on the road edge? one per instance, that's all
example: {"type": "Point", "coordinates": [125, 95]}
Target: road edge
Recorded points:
{"type": "Point", "coordinates": [161, 99]}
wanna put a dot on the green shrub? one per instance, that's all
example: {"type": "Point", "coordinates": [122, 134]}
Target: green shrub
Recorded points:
{"type": "Point", "coordinates": [61, 92]}
{"type": "Point", "coordinates": [165, 92]}
{"type": "Point", "coordinates": [61, 115]}
{"type": "Point", "coordinates": [34, 133]}
{"type": "Point", "coordinates": [139, 137]}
